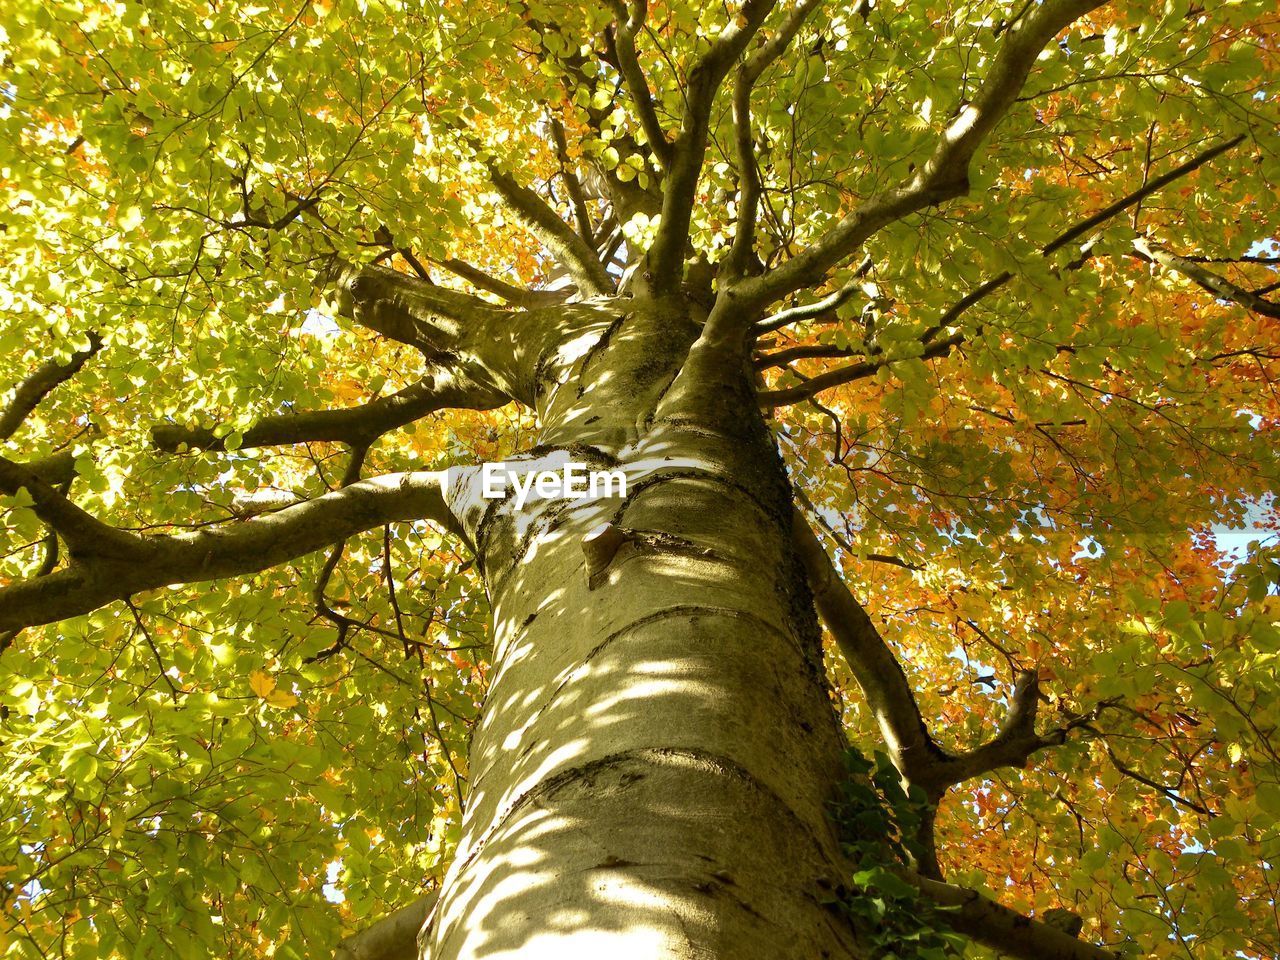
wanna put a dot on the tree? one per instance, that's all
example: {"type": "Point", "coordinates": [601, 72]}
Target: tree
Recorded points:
{"type": "Point", "coordinates": [952, 325]}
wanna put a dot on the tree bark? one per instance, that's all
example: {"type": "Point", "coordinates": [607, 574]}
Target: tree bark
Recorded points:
{"type": "Point", "coordinates": [652, 773]}
{"type": "Point", "coordinates": [391, 938]}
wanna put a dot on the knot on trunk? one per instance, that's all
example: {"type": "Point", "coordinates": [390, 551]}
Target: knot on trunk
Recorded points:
{"type": "Point", "coordinates": [600, 546]}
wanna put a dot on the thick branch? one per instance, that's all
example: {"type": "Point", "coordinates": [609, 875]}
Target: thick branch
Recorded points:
{"type": "Point", "coordinates": [874, 666]}
{"type": "Point", "coordinates": [353, 426]}
{"type": "Point", "coordinates": [408, 309]}
{"type": "Point", "coordinates": [948, 168]}
{"type": "Point", "coordinates": [56, 469]}
{"type": "Point", "coordinates": [1013, 744]}
{"type": "Point", "coordinates": [137, 563]}
{"type": "Point", "coordinates": [573, 252]}
{"type": "Point", "coordinates": [514, 295]}
{"type": "Point", "coordinates": [84, 534]}
{"type": "Point", "coordinates": [738, 260]}
{"type": "Point", "coordinates": [394, 937]}
{"type": "Point", "coordinates": [938, 348]}
{"type": "Point", "coordinates": [1219, 286]}
{"type": "Point", "coordinates": [665, 260]}
{"type": "Point", "coordinates": [36, 387]}
{"type": "Point", "coordinates": [945, 175]}
{"type": "Point", "coordinates": [624, 47]}
{"type": "Point", "coordinates": [47, 566]}
{"type": "Point", "coordinates": [892, 701]}
{"type": "Point", "coordinates": [1004, 930]}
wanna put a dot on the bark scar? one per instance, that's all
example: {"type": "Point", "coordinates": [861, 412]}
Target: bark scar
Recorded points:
{"type": "Point", "coordinates": [603, 544]}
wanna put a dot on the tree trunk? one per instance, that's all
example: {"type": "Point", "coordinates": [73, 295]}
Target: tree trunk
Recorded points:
{"type": "Point", "coordinates": [652, 773]}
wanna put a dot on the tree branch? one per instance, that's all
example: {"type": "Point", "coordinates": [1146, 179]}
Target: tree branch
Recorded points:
{"type": "Point", "coordinates": [38, 385]}
{"type": "Point", "coordinates": [114, 564]}
{"type": "Point", "coordinates": [938, 348]}
{"type": "Point", "coordinates": [571, 250]}
{"type": "Point", "coordinates": [353, 426]}
{"type": "Point", "coordinates": [1156, 785]}
{"type": "Point", "coordinates": [47, 565]}
{"type": "Point", "coordinates": [1151, 186]}
{"type": "Point", "coordinates": [874, 666]}
{"type": "Point", "coordinates": [394, 937]}
{"type": "Point", "coordinates": [851, 372]}
{"type": "Point", "coordinates": [812, 311]}
{"type": "Point", "coordinates": [577, 196]}
{"type": "Point", "coordinates": [407, 309]}
{"type": "Point", "coordinates": [627, 197]}
{"type": "Point", "coordinates": [808, 351]}
{"type": "Point", "coordinates": [1013, 744]}
{"type": "Point", "coordinates": [665, 259]}
{"type": "Point", "coordinates": [738, 260]}
{"type": "Point", "coordinates": [624, 47]}
{"type": "Point", "coordinates": [84, 534]}
{"type": "Point", "coordinates": [892, 701]}
{"type": "Point", "coordinates": [1206, 279]}
{"type": "Point", "coordinates": [514, 295]}
{"type": "Point", "coordinates": [944, 176]}
{"type": "Point", "coordinates": [1004, 930]}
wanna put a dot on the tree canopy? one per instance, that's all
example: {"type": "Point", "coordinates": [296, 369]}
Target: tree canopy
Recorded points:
{"type": "Point", "coordinates": [1016, 273]}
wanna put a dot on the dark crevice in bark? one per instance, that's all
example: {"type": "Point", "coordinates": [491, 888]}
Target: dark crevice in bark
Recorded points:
{"type": "Point", "coordinates": [691, 474]}
{"type": "Point", "coordinates": [640, 542]}
{"type": "Point", "coordinates": [662, 395]}
{"type": "Point", "coordinates": [599, 347]}
{"type": "Point", "coordinates": [547, 788]}
{"type": "Point", "coordinates": [584, 452]}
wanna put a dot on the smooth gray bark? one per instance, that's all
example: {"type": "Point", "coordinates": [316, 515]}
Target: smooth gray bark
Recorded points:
{"type": "Point", "coordinates": [394, 937]}
{"type": "Point", "coordinates": [652, 773]}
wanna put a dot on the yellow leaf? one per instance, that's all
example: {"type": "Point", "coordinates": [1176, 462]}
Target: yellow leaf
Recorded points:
{"type": "Point", "coordinates": [281, 700]}
{"type": "Point", "coordinates": [261, 683]}
{"type": "Point", "coordinates": [1235, 751]}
